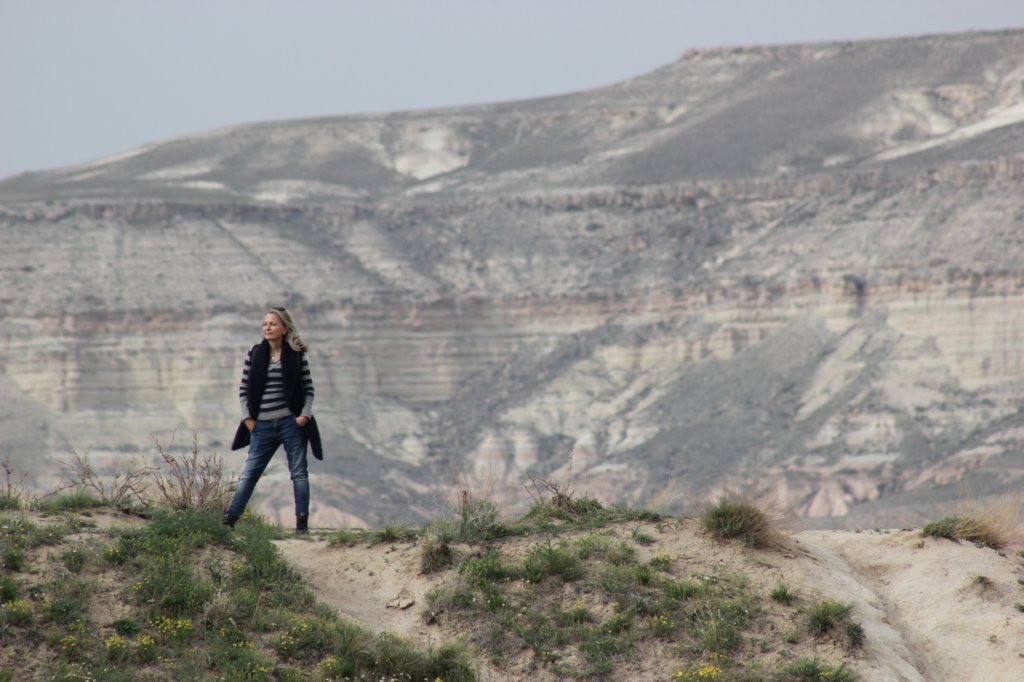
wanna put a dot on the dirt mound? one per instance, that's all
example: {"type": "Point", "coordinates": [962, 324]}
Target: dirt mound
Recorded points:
{"type": "Point", "coordinates": [930, 609]}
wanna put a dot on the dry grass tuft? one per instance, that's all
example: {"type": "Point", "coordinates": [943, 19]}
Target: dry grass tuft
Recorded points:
{"type": "Point", "coordinates": [669, 500]}
{"type": "Point", "coordinates": [487, 486]}
{"type": "Point", "coordinates": [755, 521]}
{"type": "Point", "coordinates": [996, 523]}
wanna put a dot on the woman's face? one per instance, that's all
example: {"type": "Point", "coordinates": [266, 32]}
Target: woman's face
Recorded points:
{"type": "Point", "coordinates": [273, 328]}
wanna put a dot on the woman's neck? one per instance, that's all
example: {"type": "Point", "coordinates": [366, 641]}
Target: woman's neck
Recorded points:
{"type": "Point", "coordinates": [275, 348]}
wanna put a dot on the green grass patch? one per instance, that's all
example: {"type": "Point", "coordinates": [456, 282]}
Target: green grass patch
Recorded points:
{"type": "Point", "coordinates": [814, 669]}
{"type": "Point", "coordinates": [71, 501]}
{"type": "Point", "coordinates": [783, 594]}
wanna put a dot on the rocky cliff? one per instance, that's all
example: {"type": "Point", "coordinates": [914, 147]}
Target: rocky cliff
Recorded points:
{"type": "Point", "coordinates": [791, 269]}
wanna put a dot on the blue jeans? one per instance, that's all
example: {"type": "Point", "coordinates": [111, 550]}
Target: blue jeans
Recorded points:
{"type": "Point", "coordinates": [266, 437]}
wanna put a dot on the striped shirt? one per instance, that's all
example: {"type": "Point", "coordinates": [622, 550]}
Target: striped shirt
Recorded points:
{"type": "Point", "coordinates": [273, 404]}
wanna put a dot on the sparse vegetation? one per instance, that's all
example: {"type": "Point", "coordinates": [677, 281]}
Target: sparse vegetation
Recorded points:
{"type": "Point", "coordinates": [578, 585]}
{"type": "Point", "coordinates": [204, 603]}
{"type": "Point", "coordinates": [584, 603]}
{"type": "Point", "coordinates": [814, 669]}
{"type": "Point", "coordinates": [969, 529]}
{"type": "Point", "coordinates": [829, 617]}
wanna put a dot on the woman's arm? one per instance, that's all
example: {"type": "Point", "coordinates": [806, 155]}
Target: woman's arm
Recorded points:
{"type": "Point", "coordinates": [307, 387]}
{"type": "Point", "coordinates": [243, 390]}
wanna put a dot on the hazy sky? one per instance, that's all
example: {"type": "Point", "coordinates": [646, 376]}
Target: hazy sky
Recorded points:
{"type": "Point", "coordinates": [83, 79]}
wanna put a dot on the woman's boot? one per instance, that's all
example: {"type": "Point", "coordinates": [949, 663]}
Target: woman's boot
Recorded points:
{"type": "Point", "coordinates": [302, 523]}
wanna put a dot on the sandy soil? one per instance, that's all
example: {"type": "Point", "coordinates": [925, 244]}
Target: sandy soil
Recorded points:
{"type": "Point", "coordinates": [932, 610]}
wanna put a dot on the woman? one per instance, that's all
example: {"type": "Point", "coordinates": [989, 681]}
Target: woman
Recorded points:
{"type": "Point", "coordinates": [276, 394]}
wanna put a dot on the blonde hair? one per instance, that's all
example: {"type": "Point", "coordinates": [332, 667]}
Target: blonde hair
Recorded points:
{"type": "Point", "coordinates": [292, 335]}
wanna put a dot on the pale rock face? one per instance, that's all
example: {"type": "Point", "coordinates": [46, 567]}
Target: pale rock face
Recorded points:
{"type": "Point", "coordinates": [794, 271]}
{"type": "Point", "coordinates": [427, 151]}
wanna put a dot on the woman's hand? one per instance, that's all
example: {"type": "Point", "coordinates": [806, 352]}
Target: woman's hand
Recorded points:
{"type": "Point", "coordinates": [302, 421]}
{"type": "Point", "coordinates": [250, 424]}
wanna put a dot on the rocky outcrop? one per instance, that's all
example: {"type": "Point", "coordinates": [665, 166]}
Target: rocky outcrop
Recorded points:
{"type": "Point", "coordinates": [491, 290]}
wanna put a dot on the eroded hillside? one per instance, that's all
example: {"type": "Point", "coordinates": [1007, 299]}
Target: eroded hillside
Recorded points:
{"type": "Point", "coordinates": [790, 269]}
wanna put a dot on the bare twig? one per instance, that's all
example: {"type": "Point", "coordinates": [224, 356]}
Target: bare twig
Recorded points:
{"type": "Point", "coordinates": [125, 492]}
{"type": "Point", "coordinates": [558, 495]}
{"type": "Point", "coordinates": [11, 491]}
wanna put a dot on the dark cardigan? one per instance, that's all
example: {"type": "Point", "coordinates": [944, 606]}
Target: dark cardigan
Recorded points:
{"type": "Point", "coordinates": [291, 370]}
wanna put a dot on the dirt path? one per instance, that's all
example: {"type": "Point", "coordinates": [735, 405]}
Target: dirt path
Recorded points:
{"type": "Point", "coordinates": [377, 586]}
{"type": "Point", "coordinates": [948, 608]}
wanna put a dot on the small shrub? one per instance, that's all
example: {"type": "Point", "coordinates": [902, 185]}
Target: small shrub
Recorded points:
{"type": "Point", "coordinates": [643, 575]}
{"type": "Point", "coordinates": [116, 648]}
{"type": "Point", "coordinates": [641, 538]}
{"type": "Point", "coordinates": [8, 589]}
{"type": "Point", "coordinates": [730, 519]}
{"type": "Point", "coordinates": [599, 649]}
{"type": "Point", "coordinates": [715, 631]}
{"type": "Point", "coordinates": [16, 612]}
{"type": "Point", "coordinates": [345, 537]}
{"type": "Point", "coordinates": [681, 591]}
{"type": "Point", "coordinates": [435, 554]}
{"type": "Point", "coordinates": [663, 626]}
{"type": "Point", "coordinates": [11, 486]}
{"type": "Point", "coordinates": [552, 501]}
{"type": "Point", "coordinates": [577, 615]}
{"type": "Point", "coordinates": [172, 630]}
{"type": "Point", "coordinates": [69, 646]}
{"type": "Point", "coordinates": [67, 600]}
{"type": "Point", "coordinates": [996, 524]}
{"type": "Point", "coordinates": [487, 569]}
{"type": "Point", "coordinates": [190, 480]}
{"type": "Point", "coordinates": [14, 558]}
{"type": "Point", "coordinates": [145, 649]}
{"type": "Point", "coordinates": [394, 658]}
{"type": "Point", "coordinates": [705, 671]}
{"type": "Point", "coordinates": [617, 624]}
{"type": "Point", "coordinates": [661, 561]}
{"type": "Point", "coordinates": [439, 599]}
{"type": "Point", "coordinates": [826, 616]}
{"type": "Point", "coordinates": [814, 669]}
{"type": "Point", "coordinates": [236, 658]}
{"type": "Point", "coordinates": [171, 586]}
{"type": "Point", "coordinates": [944, 528]}
{"type": "Point", "coordinates": [548, 560]}
{"type": "Point", "coordinates": [126, 491]}
{"type": "Point", "coordinates": [126, 627]}
{"type": "Point", "coordinates": [854, 634]}
{"type": "Point", "coordinates": [394, 532]}
{"type": "Point", "coordinates": [478, 520]}
{"type": "Point", "coordinates": [307, 639]}
{"type": "Point", "coordinates": [783, 594]}
{"type": "Point", "coordinates": [74, 559]}
{"type": "Point", "coordinates": [613, 550]}
{"type": "Point", "coordinates": [74, 501]}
